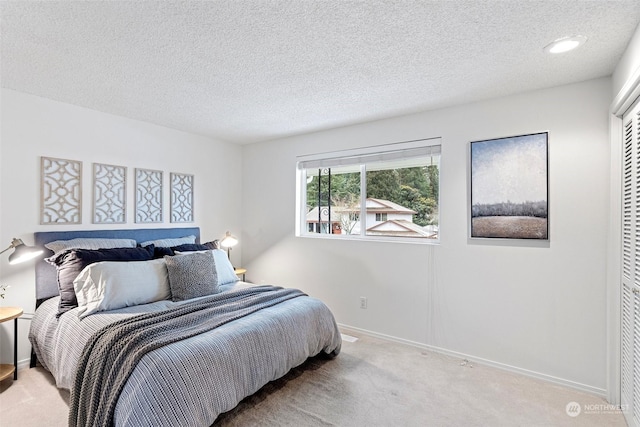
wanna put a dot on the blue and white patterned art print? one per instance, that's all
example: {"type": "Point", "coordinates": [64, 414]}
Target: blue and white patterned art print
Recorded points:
{"type": "Point", "coordinates": [109, 194]}
{"type": "Point", "coordinates": [61, 191]}
{"type": "Point", "coordinates": [181, 197]}
{"type": "Point", "coordinates": [148, 196]}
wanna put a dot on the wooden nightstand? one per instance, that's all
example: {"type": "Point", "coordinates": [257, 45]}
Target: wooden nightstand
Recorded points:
{"type": "Point", "coordinates": [11, 313]}
{"type": "Point", "coordinates": [240, 271]}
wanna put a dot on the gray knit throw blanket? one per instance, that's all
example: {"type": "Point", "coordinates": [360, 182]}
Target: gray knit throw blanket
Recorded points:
{"type": "Point", "coordinates": [111, 354]}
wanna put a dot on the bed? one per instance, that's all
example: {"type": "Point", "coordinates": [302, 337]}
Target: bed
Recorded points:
{"type": "Point", "coordinates": [126, 368]}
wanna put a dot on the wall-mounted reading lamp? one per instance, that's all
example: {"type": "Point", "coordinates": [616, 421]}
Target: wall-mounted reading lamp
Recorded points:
{"type": "Point", "coordinates": [21, 251]}
{"type": "Point", "coordinates": [228, 241]}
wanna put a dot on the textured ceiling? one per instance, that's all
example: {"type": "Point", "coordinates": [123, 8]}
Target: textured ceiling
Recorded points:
{"type": "Point", "coordinates": [248, 71]}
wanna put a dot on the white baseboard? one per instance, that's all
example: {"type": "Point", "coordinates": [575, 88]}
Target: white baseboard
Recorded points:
{"type": "Point", "coordinates": [23, 363]}
{"type": "Point", "coordinates": [550, 378]}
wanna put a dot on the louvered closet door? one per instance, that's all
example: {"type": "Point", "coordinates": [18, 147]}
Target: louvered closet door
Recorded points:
{"type": "Point", "coordinates": [630, 342]}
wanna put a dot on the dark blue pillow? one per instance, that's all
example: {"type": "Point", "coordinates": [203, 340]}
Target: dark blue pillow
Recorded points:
{"type": "Point", "coordinates": [190, 247]}
{"type": "Point", "coordinates": [71, 262]}
{"type": "Point", "coordinates": [160, 252]}
{"type": "Point", "coordinates": [214, 244]}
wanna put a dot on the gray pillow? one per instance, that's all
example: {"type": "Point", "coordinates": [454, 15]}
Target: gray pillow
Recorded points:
{"type": "Point", "coordinates": [89, 243]}
{"type": "Point", "coordinates": [192, 275]}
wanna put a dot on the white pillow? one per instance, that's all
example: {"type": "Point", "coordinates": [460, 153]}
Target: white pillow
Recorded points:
{"type": "Point", "coordinates": [107, 285]}
{"type": "Point", "coordinates": [224, 269]}
{"type": "Point", "coordinates": [89, 243]}
{"type": "Point", "coordinates": [170, 243]}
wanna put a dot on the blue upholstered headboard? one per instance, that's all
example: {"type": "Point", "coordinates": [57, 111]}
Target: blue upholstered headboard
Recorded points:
{"type": "Point", "coordinates": [46, 281]}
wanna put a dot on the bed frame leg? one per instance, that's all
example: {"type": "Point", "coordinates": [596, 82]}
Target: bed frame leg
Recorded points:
{"type": "Point", "coordinates": [34, 359]}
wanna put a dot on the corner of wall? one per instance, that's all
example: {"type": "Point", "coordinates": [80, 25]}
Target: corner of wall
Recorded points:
{"type": "Point", "coordinates": [628, 65]}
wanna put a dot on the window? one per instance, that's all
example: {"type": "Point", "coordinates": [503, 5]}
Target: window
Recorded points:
{"type": "Point", "coordinates": [385, 192]}
{"type": "Point", "coordinates": [381, 217]}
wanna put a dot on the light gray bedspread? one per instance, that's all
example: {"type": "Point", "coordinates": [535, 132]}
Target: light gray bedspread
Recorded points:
{"type": "Point", "coordinates": [191, 382]}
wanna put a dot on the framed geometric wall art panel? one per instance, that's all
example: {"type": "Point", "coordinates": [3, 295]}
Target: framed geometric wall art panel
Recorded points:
{"type": "Point", "coordinates": [181, 197]}
{"type": "Point", "coordinates": [510, 187]}
{"type": "Point", "coordinates": [109, 194]}
{"type": "Point", "coordinates": [60, 191]}
{"type": "Point", "coordinates": [148, 196]}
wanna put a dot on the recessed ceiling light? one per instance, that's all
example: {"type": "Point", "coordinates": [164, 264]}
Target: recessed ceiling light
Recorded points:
{"type": "Point", "coordinates": [565, 44]}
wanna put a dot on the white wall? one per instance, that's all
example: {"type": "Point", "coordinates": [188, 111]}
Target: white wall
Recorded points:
{"type": "Point", "coordinates": [534, 308]}
{"type": "Point", "coordinates": [34, 127]}
{"type": "Point", "coordinates": [629, 64]}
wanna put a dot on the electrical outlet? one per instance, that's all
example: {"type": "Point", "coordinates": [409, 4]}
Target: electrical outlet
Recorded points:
{"type": "Point", "coordinates": [363, 302]}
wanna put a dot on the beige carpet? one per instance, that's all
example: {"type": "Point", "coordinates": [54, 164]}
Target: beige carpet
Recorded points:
{"type": "Point", "coordinates": [371, 383]}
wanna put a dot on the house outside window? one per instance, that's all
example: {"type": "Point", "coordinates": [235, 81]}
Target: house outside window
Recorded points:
{"type": "Point", "coordinates": [388, 192]}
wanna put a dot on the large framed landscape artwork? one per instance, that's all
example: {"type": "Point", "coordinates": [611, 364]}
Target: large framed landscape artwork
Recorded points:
{"type": "Point", "coordinates": [510, 187]}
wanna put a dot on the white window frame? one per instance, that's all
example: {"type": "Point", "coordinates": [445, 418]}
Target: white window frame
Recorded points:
{"type": "Point", "coordinates": [360, 156]}
{"type": "Point", "coordinates": [381, 216]}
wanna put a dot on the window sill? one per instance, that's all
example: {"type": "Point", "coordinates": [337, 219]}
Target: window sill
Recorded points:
{"type": "Point", "coordinates": [404, 240]}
